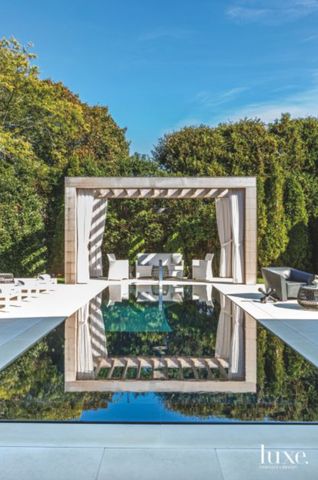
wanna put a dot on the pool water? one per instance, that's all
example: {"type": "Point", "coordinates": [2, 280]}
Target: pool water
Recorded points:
{"type": "Point", "coordinates": [170, 354]}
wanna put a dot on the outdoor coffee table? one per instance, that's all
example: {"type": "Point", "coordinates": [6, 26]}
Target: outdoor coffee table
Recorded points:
{"type": "Point", "coordinates": [155, 271]}
{"type": "Point", "coordinates": [308, 297]}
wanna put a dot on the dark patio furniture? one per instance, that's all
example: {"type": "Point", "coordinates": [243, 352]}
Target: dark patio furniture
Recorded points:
{"type": "Point", "coordinates": [268, 295]}
{"type": "Point", "coordinates": [308, 297]}
{"type": "Point", "coordinates": [285, 281]}
{"type": "Point", "coordinates": [155, 271]}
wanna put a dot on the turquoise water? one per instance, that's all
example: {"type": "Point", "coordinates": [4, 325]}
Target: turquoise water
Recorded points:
{"type": "Point", "coordinates": [129, 317]}
{"type": "Point", "coordinates": [140, 324]}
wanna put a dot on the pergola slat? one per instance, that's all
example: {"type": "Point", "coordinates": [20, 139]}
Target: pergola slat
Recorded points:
{"type": "Point", "coordinates": [222, 370]}
{"type": "Point", "coordinates": [161, 362]}
{"type": "Point", "coordinates": [111, 371]}
{"type": "Point", "coordinates": [139, 370]}
{"type": "Point", "coordinates": [125, 370]}
{"type": "Point", "coordinates": [168, 193]}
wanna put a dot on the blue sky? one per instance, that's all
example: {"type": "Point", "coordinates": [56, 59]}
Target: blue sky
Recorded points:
{"type": "Point", "coordinates": [161, 65]}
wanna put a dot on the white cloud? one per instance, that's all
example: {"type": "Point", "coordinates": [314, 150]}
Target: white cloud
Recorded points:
{"type": "Point", "coordinates": [310, 38]}
{"type": "Point", "coordinates": [301, 104]}
{"type": "Point", "coordinates": [247, 14]}
{"type": "Point", "coordinates": [209, 99]}
{"type": "Point", "coordinates": [272, 12]}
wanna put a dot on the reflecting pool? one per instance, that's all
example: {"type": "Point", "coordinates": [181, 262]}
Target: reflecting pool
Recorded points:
{"type": "Point", "coordinates": [168, 353]}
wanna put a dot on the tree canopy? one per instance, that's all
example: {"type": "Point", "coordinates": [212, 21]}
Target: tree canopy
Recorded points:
{"type": "Point", "coordinates": [47, 133]}
{"type": "Point", "coordinates": [283, 156]}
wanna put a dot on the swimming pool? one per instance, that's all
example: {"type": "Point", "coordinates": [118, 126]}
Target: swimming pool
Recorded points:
{"type": "Point", "coordinates": [178, 353]}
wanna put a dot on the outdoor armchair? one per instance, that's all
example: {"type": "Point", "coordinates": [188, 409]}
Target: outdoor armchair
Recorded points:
{"type": "Point", "coordinates": [202, 269]}
{"type": "Point", "coordinates": [203, 293]}
{"type": "Point", "coordinates": [285, 281]}
{"type": "Point", "coordinates": [118, 269]}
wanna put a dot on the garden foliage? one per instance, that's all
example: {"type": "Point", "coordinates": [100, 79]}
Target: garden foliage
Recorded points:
{"type": "Point", "coordinates": [47, 133]}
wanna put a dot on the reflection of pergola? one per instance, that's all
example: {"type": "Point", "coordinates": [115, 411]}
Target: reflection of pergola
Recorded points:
{"type": "Point", "coordinates": [159, 369]}
{"type": "Point", "coordinates": [236, 195]}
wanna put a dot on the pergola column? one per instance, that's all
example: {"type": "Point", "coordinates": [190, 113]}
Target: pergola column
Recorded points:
{"type": "Point", "coordinates": [70, 236]}
{"type": "Point", "coordinates": [250, 235]}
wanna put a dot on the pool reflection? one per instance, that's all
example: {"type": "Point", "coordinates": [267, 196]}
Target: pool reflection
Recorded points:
{"type": "Point", "coordinates": [68, 375]}
{"type": "Point", "coordinates": [171, 339]}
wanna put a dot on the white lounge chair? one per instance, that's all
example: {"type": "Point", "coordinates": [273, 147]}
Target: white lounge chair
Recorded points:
{"type": "Point", "coordinates": [46, 280]}
{"type": "Point", "coordinates": [202, 269]}
{"type": "Point", "coordinates": [10, 294]}
{"type": "Point", "coordinates": [118, 269]}
{"type": "Point", "coordinates": [34, 286]}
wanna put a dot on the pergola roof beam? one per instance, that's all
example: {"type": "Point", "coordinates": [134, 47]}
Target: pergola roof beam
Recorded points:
{"type": "Point", "coordinates": [159, 362]}
{"type": "Point", "coordinates": [160, 182]}
{"type": "Point", "coordinates": [168, 193]}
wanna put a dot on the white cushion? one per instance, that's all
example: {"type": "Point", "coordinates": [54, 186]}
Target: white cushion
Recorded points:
{"type": "Point", "coordinates": [144, 270]}
{"type": "Point", "coordinates": [195, 263]}
{"type": "Point", "coordinates": [176, 258]}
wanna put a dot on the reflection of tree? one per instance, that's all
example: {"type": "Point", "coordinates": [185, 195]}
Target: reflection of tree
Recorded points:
{"type": "Point", "coordinates": [192, 326]}
{"type": "Point", "coordinates": [33, 386]}
{"type": "Point", "coordinates": [287, 389]}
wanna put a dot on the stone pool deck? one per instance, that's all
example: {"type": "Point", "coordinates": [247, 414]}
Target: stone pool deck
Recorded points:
{"type": "Point", "coordinates": [170, 452]}
{"type": "Point", "coordinates": [293, 324]}
{"type": "Point", "coordinates": [23, 325]}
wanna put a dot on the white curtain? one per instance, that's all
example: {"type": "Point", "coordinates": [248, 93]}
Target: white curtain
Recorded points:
{"type": "Point", "coordinates": [223, 218]}
{"type": "Point", "coordinates": [96, 237]}
{"type": "Point", "coordinates": [223, 332]}
{"type": "Point", "coordinates": [97, 329]}
{"type": "Point", "coordinates": [237, 225]}
{"type": "Point", "coordinates": [85, 365]}
{"type": "Point", "coordinates": [237, 354]}
{"type": "Point", "coordinates": [85, 200]}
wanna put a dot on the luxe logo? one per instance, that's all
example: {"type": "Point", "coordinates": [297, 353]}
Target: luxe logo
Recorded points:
{"type": "Point", "coordinates": [279, 458]}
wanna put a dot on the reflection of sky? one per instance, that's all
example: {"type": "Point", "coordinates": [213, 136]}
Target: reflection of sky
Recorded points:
{"type": "Point", "coordinates": [148, 407]}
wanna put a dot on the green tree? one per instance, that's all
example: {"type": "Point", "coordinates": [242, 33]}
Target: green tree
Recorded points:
{"type": "Point", "coordinates": [63, 136]}
{"type": "Point", "coordinates": [22, 207]}
{"type": "Point", "coordinates": [283, 158]}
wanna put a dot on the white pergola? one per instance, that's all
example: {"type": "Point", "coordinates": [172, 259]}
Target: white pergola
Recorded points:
{"type": "Point", "coordinates": [170, 188]}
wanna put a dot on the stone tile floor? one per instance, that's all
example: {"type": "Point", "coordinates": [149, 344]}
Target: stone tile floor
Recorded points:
{"type": "Point", "coordinates": [192, 452]}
